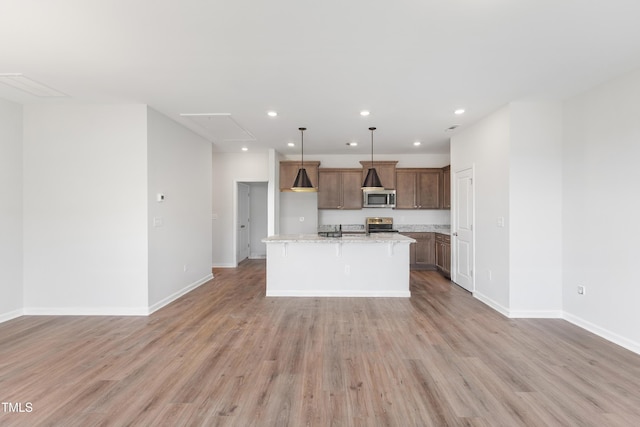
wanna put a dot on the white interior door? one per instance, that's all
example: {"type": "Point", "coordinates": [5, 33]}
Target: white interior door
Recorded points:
{"type": "Point", "coordinates": [242, 246]}
{"type": "Point", "coordinates": [462, 233]}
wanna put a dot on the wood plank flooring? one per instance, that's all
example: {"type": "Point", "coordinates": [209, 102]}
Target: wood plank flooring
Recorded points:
{"type": "Point", "coordinates": [225, 355]}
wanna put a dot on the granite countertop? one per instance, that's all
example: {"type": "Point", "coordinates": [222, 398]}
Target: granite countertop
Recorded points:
{"type": "Point", "coordinates": [346, 238]}
{"type": "Point", "coordinates": [402, 228]}
{"type": "Point", "coordinates": [424, 228]}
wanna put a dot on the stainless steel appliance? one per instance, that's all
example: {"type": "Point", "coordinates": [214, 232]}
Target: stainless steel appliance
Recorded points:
{"type": "Point", "coordinates": [379, 225]}
{"type": "Point", "coordinates": [379, 198]}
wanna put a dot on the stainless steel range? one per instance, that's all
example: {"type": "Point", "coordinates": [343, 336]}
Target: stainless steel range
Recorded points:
{"type": "Point", "coordinates": [379, 225]}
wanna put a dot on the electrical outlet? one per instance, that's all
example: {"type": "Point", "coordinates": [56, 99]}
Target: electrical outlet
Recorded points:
{"type": "Point", "coordinates": [581, 290]}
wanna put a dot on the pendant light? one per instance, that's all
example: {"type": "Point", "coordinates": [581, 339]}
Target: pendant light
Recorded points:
{"type": "Point", "coordinates": [302, 182]}
{"type": "Point", "coordinates": [372, 181]}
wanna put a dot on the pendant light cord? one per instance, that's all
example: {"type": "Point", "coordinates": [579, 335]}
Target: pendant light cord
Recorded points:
{"type": "Point", "coordinates": [372, 129]}
{"type": "Point", "coordinates": [302, 146]}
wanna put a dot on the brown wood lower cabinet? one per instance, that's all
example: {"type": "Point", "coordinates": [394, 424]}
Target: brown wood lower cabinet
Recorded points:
{"type": "Point", "coordinates": [422, 253]}
{"type": "Point", "coordinates": [432, 251]}
{"type": "Point", "coordinates": [443, 253]}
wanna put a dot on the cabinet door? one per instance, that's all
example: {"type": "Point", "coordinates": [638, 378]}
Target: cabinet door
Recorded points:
{"type": "Point", "coordinates": [429, 186]}
{"type": "Point", "coordinates": [425, 249]}
{"type": "Point", "coordinates": [412, 248]}
{"type": "Point", "coordinates": [405, 189]}
{"type": "Point", "coordinates": [446, 187]}
{"type": "Point", "coordinates": [446, 265]}
{"type": "Point", "coordinates": [329, 189]}
{"type": "Point", "coordinates": [351, 190]}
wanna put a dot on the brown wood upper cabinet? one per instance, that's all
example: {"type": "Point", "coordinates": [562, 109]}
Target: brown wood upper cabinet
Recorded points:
{"type": "Point", "coordinates": [386, 170]}
{"type": "Point", "coordinates": [339, 188]}
{"type": "Point", "coordinates": [446, 187]}
{"type": "Point", "coordinates": [419, 188]}
{"type": "Point", "coordinates": [289, 170]}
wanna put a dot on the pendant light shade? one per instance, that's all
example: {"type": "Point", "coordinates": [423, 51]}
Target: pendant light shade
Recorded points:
{"type": "Point", "coordinates": [302, 182]}
{"type": "Point", "coordinates": [372, 181]}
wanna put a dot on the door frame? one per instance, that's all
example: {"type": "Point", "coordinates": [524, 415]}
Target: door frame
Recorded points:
{"type": "Point", "coordinates": [454, 225]}
{"type": "Point", "coordinates": [236, 201]}
{"type": "Point", "coordinates": [236, 205]}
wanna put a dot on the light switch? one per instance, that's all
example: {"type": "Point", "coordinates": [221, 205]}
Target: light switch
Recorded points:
{"type": "Point", "coordinates": [157, 221]}
{"type": "Point", "coordinates": [160, 197]}
{"type": "Point", "coordinates": [500, 221]}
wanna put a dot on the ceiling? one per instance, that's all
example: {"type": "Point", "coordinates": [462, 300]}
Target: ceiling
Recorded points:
{"type": "Point", "coordinates": [411, 63]}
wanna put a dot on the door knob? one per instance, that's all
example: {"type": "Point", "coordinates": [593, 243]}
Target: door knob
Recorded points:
{"type": "Point", "coordinates": [455, 234]}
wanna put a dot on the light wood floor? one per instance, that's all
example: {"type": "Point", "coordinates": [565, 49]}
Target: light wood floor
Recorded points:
{"type": "Point", "coordinates": [226, 355]}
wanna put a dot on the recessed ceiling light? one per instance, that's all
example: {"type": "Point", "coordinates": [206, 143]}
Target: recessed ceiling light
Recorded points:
{"type": "Point", "coordinates": [245, 149]}
{"type": "Point", "coordinates": [459, 111]}
{"type": "Point", "coordinates": [272, 113]}
{"type": "Point", "coordinates": [291, 144]}
{"type": "Point", "coordinates": [364, 113]}
{"type": "Point", "coordinates": [417, 143]}
{"type": "Point", "coordinates": [352, 144]}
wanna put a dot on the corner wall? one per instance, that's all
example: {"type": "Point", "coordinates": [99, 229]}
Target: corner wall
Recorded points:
{"type": "Point", "coordinates": [11, 277]}
{"type": "Point", "coordinates": [485, 148]}
{"type": "Point", "coordinates": [600, 212]}
{"type": "Point", "coordinates": [179, 164]}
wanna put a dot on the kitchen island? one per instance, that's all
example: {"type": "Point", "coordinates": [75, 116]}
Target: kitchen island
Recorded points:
{"type": "Point", "coordinates": [357, 265]}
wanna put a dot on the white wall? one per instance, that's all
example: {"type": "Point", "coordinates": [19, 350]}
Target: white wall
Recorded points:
{"type": "Point", "coordinates": [10, 210]}
{"type": "Point", "coordinates": [516, 154]}
{"type": "Point", "coordinates": [180, 250]}
{"type": "Point", "coordinates": [485, 147]}
{"type": "Point", "coordinates": [601, 208]}
{"type": "Point", "coordinates": [228, 169]}
{"type": "Point", "coordinates": [85, 209]}
{"type": "Point", "coordinates": [298, 213]}
{"type": "Point", "coordinates": [535, 209]}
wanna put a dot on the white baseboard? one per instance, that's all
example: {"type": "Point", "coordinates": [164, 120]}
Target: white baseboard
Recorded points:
{"type": "Point", "coordinates": [84, 311]}
{"type": "Point", "coordinates": [4, 317]}
{"type": "Point", "coordinates": [535, 314]}
{"type": "Point", "coordinates": [113, 311]}
{"type": "Point", "coordinates": [604, 333]}
{"type": "Point", "coordinates": [491, 303]}
{"type": "Point", "coordinates": [157, 306]}
{"type": "Point", "coordinates": [225, 266]}
{"type": "Point", "coordinates": [560, 314]}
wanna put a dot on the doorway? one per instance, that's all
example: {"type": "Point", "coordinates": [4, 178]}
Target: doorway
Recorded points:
{"type": "Point", "coordinates": [462, 230]}
{"type": "Point", "coordinates": [251, 220]}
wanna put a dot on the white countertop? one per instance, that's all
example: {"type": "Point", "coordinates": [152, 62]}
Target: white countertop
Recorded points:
{"type": "Point", "coordinates": [346, 238]}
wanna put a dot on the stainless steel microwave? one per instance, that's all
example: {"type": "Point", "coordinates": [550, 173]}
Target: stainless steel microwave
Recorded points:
{"type": "Point", "coordinates": [379, 199]}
